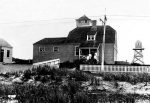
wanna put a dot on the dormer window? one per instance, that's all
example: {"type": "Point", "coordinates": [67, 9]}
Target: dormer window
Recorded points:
{"type": "Point", "coordinates": [90, 37]}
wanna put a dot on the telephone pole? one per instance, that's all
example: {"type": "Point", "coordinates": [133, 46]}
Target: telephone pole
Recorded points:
{"type": "Point", "coordinates": [103, 42]}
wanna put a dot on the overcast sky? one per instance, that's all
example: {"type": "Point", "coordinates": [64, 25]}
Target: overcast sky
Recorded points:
{"type": "Point", "coordinates": [24, 22]}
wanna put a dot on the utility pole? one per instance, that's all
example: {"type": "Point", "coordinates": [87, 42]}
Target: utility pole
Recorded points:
{"type": "Point", "coordinates": [103, 42]}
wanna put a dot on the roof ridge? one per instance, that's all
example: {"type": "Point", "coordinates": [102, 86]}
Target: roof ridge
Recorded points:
{"type": "Point", "coordinates": [4, 43]}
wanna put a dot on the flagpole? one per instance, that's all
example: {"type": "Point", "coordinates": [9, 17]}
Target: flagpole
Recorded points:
{"type": "Point", "coordinates": [103, 43]}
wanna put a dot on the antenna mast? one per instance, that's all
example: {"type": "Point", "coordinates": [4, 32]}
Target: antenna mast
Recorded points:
{"type": "Point", "coordinates": [103, 42]}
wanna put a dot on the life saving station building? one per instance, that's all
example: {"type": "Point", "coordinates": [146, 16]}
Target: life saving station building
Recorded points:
{"type": "Point", "coordinates": [83, 40]}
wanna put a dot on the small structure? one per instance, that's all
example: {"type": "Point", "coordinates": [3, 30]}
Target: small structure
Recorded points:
{"type": "Point", "coordinates": [5, 52]}
{"type": "Point", "coordinates": [83, 21]}
{"type": "Point", "coordinates": [138, 55]}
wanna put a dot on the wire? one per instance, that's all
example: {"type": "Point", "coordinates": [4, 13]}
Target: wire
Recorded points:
{"type": "Point", "coordinates": [70, 20]}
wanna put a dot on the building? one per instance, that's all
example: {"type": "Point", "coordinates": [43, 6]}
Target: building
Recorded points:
{"type": "Point", "coordinates": [85, 39]}
{"type": "Point", "coordinates": [5, 52]}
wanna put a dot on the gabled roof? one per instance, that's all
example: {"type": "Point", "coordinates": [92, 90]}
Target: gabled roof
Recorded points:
{"type": "Point", "coordinates": [51, 41]}
{"type": "Point", "coordinates": [4, 43]}
{"type": "Point", "coordinates": [84, 17]}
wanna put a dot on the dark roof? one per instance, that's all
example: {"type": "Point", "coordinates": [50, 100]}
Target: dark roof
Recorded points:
{"type": "Point", "coordinates": [51, 41]}
{"type": "Point", "coordinates": [84, 17]}
{"type": "Point", "coordinates": [79, 34]}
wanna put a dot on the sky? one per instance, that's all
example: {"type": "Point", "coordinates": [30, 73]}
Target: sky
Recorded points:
{"type": "Point", "coordinates": [24, 22]}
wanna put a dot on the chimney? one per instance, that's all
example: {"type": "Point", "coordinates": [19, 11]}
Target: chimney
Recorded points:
{"type": "Point", "coordinates": [94, 24]}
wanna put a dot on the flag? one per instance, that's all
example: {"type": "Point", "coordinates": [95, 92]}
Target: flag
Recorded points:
{"type": "Point", "coordinates": [105, 18]}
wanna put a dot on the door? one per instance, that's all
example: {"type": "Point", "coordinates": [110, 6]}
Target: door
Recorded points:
{"type": "Point", "coordinates": [2, 55]}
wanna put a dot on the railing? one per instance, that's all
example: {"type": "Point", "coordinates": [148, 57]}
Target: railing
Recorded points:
{"type": "Point", "coordinates": [52, 63]}
{"type": "Point", "coordinates": [116, 68]}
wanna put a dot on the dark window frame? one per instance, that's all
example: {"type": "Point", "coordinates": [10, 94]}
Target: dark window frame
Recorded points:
{"type": "Point", "coordinates": [42, 49]}
{"type": "Point", "coordinates": [76, 51]}
{"type": "Point", "coordinates": [55, 49]}
{"type": "Point", "coordinates": [8, 53]}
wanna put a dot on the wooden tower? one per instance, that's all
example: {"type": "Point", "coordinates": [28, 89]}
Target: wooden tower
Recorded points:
{"type": "Point", "coordinates": [138, 55]}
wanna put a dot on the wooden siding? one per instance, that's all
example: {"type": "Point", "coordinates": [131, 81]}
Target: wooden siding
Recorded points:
{"type": "Point", "coordinates": [65, 53]}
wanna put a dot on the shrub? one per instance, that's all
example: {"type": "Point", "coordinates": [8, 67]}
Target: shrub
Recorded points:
{"type": "Point", "coordinates": [79, 76]}
{"type": "Point", "coordinates": [67, 64]}
{"type": "Point", "coordinates": [27, 74]}
{"type": "Point", "coordinates": [28, 93]}
{"type": "Point", "coordinates": [81, 97]}
{"type": "Point", "coordinates": [126, 77]}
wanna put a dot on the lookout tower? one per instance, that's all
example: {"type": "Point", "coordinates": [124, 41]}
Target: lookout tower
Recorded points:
{"type": "Point", "coordinates": [138, 55]}
{"type": "Point", "coordinates": [83, 21]}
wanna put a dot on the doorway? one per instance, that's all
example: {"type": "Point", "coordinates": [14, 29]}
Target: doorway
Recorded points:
{"type": "Point", "coordinates": [2, 55]}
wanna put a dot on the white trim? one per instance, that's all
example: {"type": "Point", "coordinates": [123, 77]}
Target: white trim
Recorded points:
{"type": "Point", "coordinates": [75, 51]}
{"type": "Point", "coordinates": [90, 37]}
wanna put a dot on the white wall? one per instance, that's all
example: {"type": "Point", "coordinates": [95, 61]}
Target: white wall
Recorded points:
{"type": "Point", "coordinates": [5, 58]}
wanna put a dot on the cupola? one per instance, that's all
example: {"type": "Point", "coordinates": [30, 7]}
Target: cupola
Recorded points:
{"type": "Point", "coordinates": [83, 21]}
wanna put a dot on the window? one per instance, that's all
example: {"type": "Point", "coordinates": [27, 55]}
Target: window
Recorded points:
{"type": "Point", "coordinates": [41, 49]}
{"type": "Point", "coordinates": [90, 37]}
{"type": "Point", "coordinates": [8, 53]}
{"type": "Point", "coordinates": [76, 50]}
{"type": "Point", "coordinates": [55, 49]}
{"type": "Point", "coordinates": [85, 21]}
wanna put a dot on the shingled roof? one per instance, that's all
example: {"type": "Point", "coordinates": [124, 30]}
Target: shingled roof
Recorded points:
{"type": "Point", "coordinates": [84, 17]}
{"type": "Point", "coordinates": [46, 41]}
{"type": "Point", "coordinates": [79, 35]}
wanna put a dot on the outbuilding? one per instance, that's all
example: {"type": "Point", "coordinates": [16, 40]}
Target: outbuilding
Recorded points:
{"type": "Point", "coordinates": [5, 52]}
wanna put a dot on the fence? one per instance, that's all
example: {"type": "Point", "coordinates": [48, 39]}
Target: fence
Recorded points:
{"type": "Point", "coordinates": [116, 68]}
{"type": "Point", "coordinates": [52, 63]}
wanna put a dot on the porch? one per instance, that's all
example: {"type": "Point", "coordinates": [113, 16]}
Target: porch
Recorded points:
{"type": "Point", "coordinates": [89, 53]}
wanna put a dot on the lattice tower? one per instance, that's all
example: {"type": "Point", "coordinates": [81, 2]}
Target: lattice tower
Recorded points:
{"type": "Point", "coordinates": [138, 55]}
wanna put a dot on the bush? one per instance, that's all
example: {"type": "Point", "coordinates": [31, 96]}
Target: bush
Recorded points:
{"type": "Point", "coordinates": [28, 93]}
{"type": "Point", "coordinates": [81, 97]}
{"type": "Point", "coordinates": [78, 76]}
{"type": "Point", "coordinates": [67, 64]}
{"type": "Point", "coordinates": [126, 77]}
